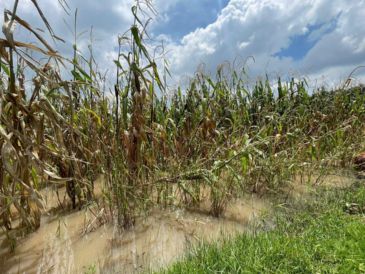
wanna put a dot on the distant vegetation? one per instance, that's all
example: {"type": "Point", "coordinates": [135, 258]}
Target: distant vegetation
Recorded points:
{"type": "Point", "coordinates": [215, 135]}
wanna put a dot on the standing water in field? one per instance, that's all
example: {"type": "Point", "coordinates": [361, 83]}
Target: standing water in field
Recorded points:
{"type": "Point", "coordinates": [63, 245]}
{"type": "Point", "coordinates": [76, 243]}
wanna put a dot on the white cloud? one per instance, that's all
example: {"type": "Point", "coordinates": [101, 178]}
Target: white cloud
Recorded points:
{"type": "Point", "coordinates": [258, 28]}
{"type": "Point", "coordinates": [262, 28]}
{"type": "Point", "coordinates": [108, 18]}
{"type": "Point", "coordinates": [163, 5]}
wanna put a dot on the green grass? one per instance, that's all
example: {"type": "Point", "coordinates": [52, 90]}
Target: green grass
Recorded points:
{"type": "Point", "coordinates": [310, 237]}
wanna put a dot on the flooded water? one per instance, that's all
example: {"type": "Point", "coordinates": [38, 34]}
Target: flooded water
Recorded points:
{"type": "Point", "coordinates": [305, 184]}
{"type": "Point", "coordinates": [64, 244]}
{"type": "Point", "coordinates": [78, 242]}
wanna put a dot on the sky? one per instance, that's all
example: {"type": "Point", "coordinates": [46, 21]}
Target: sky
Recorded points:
{"type": "Point", "coordinates": [321, 40]}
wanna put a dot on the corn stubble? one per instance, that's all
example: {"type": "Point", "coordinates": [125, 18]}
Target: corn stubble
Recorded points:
{"type": "Point", "coordinates": [155, 150]}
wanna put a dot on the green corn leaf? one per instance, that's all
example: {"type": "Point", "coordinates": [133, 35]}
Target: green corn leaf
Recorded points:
{"type": "Point", "coordinates": [93, 114]}
{"type": "Point", "coordinates": [77, 75]}
{"type": "Point", "coordinates": [5, 69]}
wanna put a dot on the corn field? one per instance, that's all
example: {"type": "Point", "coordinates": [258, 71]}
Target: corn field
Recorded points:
{"type": "Point", "coordinates": [218, 134]}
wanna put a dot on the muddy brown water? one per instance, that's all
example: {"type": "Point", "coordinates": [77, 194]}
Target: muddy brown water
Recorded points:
{"type": "Point", "coordinates": [65, 244]}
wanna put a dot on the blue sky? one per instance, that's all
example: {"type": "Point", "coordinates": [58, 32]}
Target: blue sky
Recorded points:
{"type": "Point", "coordinates": [322, 40]}
{"type": "Point", "coordinates": [186, 16]}
{"type": "Point", "coordinates": [301, 44]}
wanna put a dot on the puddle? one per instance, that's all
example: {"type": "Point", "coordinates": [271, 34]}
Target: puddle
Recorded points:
{"type": "Point", "coordinates": [302, 185]}
{"type": "Point", "coordinates": [62, 246]}
{"type": "Point", "coordinates": [78, 242]}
